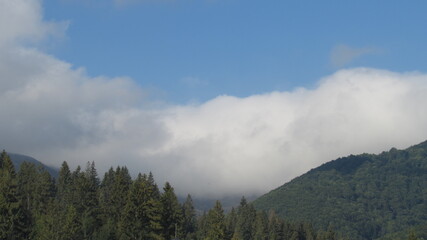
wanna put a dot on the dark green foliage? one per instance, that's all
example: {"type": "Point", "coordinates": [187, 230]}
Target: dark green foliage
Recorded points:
{"type": "Point", "coordinates": [171, 220]}
{"type": "Point", "coordinates": [80, 207]}
{"type": "Point", "coordinates": [202, 226]}
{"type": "Point", "coordinates": [142, 214]}
{"type": "Point", "coordinates": [49, 225]}
{"type": "Point", "coordinates": [58, 223]}
{"type": "Point", "coordinates": [365, 196]}
{"type": "Point", "coordinates": [275, 227]}
{"type": "Point", "coordinates": [113, 194]}
{"type": "Point", "coordinates": [36, 189]}
{"type": "Point", "coordinates": [246, 215]}
{"type": "Point", "coordinates": [18, 159]}
{"type": "Point", "coordinates": [215, 223]}
{"type": "Point", "coordinates": [230, 223]}
{"type": "Point", "coordinates": [260, 231]}
{"type": "Point", "coordinates": [153, 184]}
{"type": "Point", "coordinates": [71, 227]}
{"type": "Point", "coordinates": [64, 185]}
{"type": "Point", "coordinates": [13, 220]}
{"type": "Point", "coordinates": [90, 218]}
{"type": "Point", "coordinates": [189, 221]}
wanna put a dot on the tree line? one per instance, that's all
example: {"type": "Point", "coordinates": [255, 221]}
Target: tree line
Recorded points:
{"type": "Point", "coordinates": [78, 205]}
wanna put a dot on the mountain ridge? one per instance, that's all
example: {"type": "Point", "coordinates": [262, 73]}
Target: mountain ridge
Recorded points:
{"type": "Point", "coordinates": [18, 159]}
{"type": "Point", "coordinates": [366, 196]}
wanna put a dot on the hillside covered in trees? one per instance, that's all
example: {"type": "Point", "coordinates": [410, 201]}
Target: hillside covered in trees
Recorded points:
{"type": "Point", "coordinates": [18, 159]}
{"type": "Point", "coordinates": [78, 205]}
{"type": "Point", "coordinates": [365, 196]}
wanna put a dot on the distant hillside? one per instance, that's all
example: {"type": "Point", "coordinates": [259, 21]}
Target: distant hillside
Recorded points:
{"type": "Point", "coordinates": [18, 159]}
{"type": "Point", "coordinates": [365, 196]}
{"type": "Point", "coordinates": [204, 204]}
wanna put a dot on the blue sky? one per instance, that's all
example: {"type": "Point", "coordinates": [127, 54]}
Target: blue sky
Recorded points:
{"type": "Point", "coordinates": [189, 50]}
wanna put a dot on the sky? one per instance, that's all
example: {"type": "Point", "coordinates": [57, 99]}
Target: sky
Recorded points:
{"type": "Point", "coordinates": [219, 97]}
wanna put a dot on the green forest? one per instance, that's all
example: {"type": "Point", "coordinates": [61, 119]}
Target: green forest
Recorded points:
{"type": "Point", "coordinates": [367, 196]}
{"type": "Point", "coordinates": [357, 197]}
{"type": "Point", "coordinates": [78, 205]}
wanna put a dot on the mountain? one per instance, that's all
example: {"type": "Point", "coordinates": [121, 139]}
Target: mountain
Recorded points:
{"type": "Point", "coordinates": [18, 159]}
{"type": "Point", "coordinates": [363, 196]}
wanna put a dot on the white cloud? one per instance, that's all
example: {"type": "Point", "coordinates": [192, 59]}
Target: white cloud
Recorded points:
{"type": "Point", "coordinates": [343, 54]}
{"type": "Point", "coordinates": [21, 21]}
{"type": "Point", "coordinates": [226, 146]}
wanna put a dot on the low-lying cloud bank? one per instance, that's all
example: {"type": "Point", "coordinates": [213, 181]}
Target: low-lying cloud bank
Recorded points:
{"type": "Point", "coordinates": [226, 146]}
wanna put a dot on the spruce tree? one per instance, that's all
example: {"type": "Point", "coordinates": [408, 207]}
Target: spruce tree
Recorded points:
{"type": "Point", "coordinates": [108, 222]}
{"type": "Point", "coordinates": [64, 185]}
{"type": "Point", "coordinates": [112, 199]}
{"type": "Point", "coordinates": [36, 189]}
{"type": "Point", "coordinates": [27, 180]}
{"type": "Point", "coordinates": [13, 222]}
{"type": "Point", "coordinates": [44, 192]}
{"type": "Point", "coordinates": [261, 226]}
{"type": "Point", "coordinates": [202, 227]}
{"type": "Point", "coordinates": [49, 225]}
{"type": "Point", "coordinates": [142, 213]}
{"type": "Point", "coordinates": [246, 215]}
{"type": "Point", "coordinates": [230, 223]}
{"type": "Point", "coordinates": [189, 223]}
{"type": "Point", "coordinates": [171, 213]}
{"type": "Point", "coordinates": [121, 186]}
{"type": "Point", "coordinates": [215, 223]}
{"type": "Point", "coordinates": [90, 218]}
{"type": "Point", "coordinates": [152, 183]}
{"type": "Point", "coordinates": [72, 228]}
{"type": "Point", "coordinates": [274, 227]}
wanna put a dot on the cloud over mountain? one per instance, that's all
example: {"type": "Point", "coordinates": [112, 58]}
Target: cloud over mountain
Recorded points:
{"type": "Point", "coordinates": [225, 146]}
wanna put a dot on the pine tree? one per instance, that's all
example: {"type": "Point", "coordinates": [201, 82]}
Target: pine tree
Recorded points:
{"type": "Point", "coordinates": [189, 224]}
{"type": "Point", "coordinates": [142, 214]}
{"type": "Point", "coordinates": [215, 223]}
{"type": "Point", "coordinates": [83, 197]}
{"type": "Point", "coordinates": [90, 217]}
{"type": "Point", "coordinates": [202, 227]}
{"type": "Point", "coordinates": [27, 180]}
{"type": "Point", "coordinates": [112, 199]}
{"type": "Point", "coordinates": [72, 228]}
{"type": "Point", "coordinates": [230, 223]}
{"type": "Point", "coordinates": [49, 225]}
{"type": "Point", "coordinates": [152, 183]}
{"type": "Point", "coordinates": [64, 185]}
{"type": "Point", "coordinates": [246, 215]}
{"type": "Point", "coordinates": [106, 192]}
{"type": "Point", "coordinates": [121, 186]}
{"type": "Point", "coordinates": [45, 191]}
{"type": "Point", "coordinates": [13, 222]}
{"type": "Point", "coordinates": [274, 227]}
{"type": "Point", "coordinates": [171, 213]}
{"type": "Point", "coordinates": [108, 222]}
{"type": "Point", "coordinates": [261, 226]}
{"type": "Point", "coordinates": [36, 189]}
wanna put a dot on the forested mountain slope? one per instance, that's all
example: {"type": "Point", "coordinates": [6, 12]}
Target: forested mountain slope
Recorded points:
{"type": "Point", "coordinates": [18, 159]}
{"type": "Point", "coordinates": [80, 206]}
{"type": "Point", "coordinates": [365, 196]}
